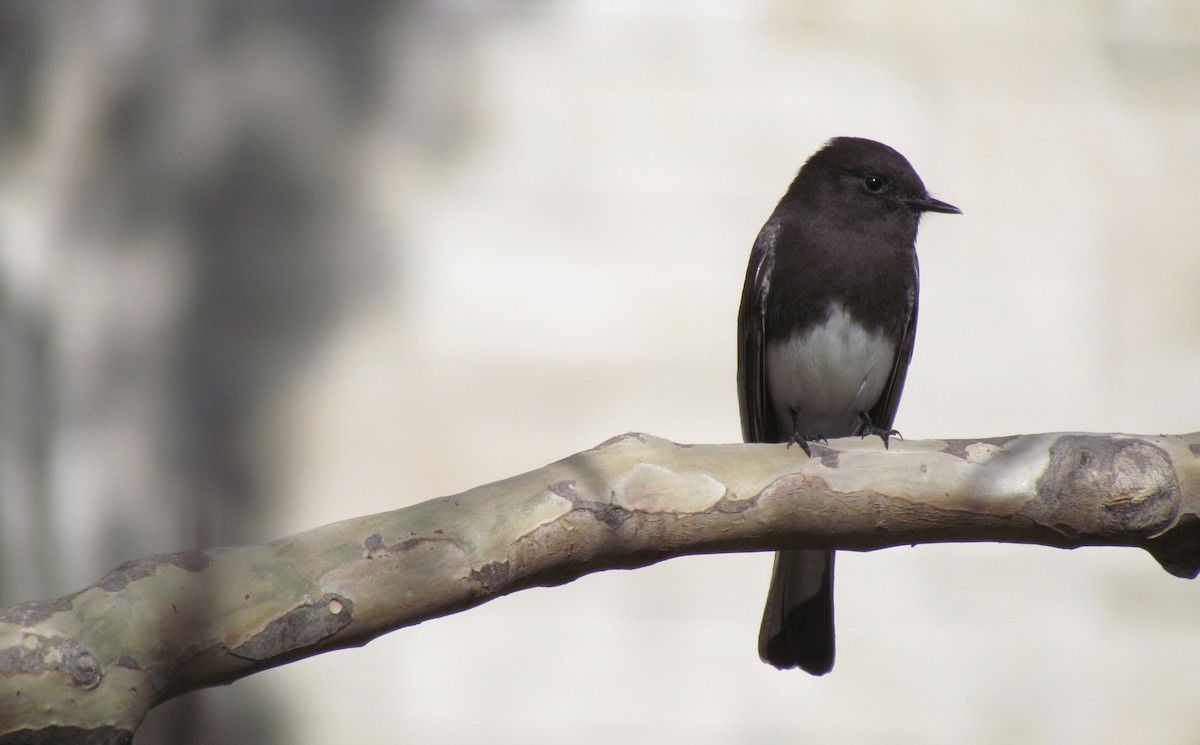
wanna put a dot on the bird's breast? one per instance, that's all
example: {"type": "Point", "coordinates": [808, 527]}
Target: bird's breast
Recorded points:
{"type": "Point", "coordinates": [828, 374]}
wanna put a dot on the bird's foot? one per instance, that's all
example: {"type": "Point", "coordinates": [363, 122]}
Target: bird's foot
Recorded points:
{"type": "Point", "coordinates": [803, 440]}
{"type": "Point", "coordinates": [867, 428]}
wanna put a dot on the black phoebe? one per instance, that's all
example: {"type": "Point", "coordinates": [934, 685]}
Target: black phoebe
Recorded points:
{"type": "Point", "coordinates": [825, 335]}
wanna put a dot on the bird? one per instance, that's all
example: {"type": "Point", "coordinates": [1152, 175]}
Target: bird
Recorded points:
{"type": "Point", "coordinates": [825, 336]}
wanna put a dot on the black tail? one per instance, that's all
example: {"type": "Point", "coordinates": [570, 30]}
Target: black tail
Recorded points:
{"type": "Point", "coordinates": [797, 625]}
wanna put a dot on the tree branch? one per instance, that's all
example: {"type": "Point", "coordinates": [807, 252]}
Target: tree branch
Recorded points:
{"type": "Point", "coordinates": [89, 666]}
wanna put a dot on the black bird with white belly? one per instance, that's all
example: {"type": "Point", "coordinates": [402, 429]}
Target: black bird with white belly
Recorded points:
{"type": "Point", "coordinates": [825, 335]}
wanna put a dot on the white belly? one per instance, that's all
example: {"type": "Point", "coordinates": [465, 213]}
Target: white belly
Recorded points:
{"type": "Point", "coordinates": [828, 375]}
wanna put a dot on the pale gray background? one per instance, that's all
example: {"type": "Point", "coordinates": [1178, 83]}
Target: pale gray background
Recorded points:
{"type": "Point", "coordinates": [514, 230]}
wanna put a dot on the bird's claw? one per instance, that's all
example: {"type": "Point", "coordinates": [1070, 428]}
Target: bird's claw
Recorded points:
{"type": "Point", "coordinates": [883, 434]}
{"type": "Point", "coordinates": [867, 429]}
{"type": "Point", "coordinates": [803, 440]}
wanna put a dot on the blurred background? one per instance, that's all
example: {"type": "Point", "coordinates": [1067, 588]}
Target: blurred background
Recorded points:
{"type": "Point", "coordinates": [264, 266]}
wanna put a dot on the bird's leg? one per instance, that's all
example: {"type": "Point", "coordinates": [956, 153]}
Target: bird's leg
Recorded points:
{"type": "Point", "coordinates": [798, 438]}
{"type": "Point", "coordinates": [867, 427]}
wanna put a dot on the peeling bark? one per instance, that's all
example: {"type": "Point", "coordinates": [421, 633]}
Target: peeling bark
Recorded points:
{"type": "Point", "coordinates": [87, 667]}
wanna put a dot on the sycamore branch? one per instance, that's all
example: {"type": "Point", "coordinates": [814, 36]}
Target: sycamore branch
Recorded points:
{"type": "Point", "coordinates": [89, 666]}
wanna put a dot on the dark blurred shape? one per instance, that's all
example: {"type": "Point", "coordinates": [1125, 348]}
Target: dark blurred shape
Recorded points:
{"type": "Point", "coordinates": [182, 239]}
{"type": "Point", "coordinates": [19, 58]}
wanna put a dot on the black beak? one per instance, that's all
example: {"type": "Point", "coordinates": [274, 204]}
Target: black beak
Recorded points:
{"type": "Point", "coordinates": [929, 204]}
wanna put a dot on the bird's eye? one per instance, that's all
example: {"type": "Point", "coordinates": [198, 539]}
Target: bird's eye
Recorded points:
{"type": "Point", "coordinates": [874, 184]}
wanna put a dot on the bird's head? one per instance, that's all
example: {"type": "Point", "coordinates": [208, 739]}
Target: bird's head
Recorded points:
{"type": "Point", "coordinates": [860, 179]}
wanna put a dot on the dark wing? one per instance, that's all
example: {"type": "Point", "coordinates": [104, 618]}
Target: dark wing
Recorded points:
{"type": "Point", "coordinates": [883, 413]}
{"type": "Point", "coordinates": [757, 413]}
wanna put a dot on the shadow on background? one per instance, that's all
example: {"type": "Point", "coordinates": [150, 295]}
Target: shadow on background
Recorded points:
{"type": "Point", "coordinates": [177, 235]}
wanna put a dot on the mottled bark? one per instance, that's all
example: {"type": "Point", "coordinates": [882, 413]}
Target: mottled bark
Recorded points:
{"type": "Point", "coordinates": [87, 667]}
